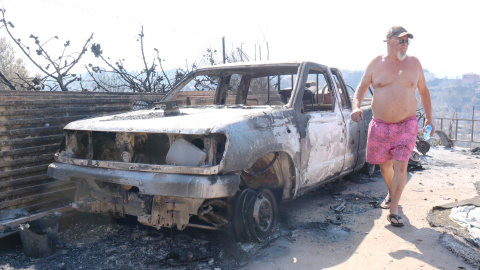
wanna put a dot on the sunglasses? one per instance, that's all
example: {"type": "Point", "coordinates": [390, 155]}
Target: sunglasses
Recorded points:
{"type": "Point", "coordinates": [401, 41]}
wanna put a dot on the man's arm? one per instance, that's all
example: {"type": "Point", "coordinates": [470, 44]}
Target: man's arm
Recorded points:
{"type": "Point", "coordinates": [424, 94]}
{"type": "Point", "coordinates": [362, 88]}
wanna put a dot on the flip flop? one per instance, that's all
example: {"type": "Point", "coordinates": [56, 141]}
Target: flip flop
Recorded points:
{"type": "Point", "coordinates": [384, 205]}
{"type": "Point", "coordinates": [397, 218]}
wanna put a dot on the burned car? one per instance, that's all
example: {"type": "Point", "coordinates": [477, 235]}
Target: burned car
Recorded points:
{"type": "Point", "coordinates": [220, 151]}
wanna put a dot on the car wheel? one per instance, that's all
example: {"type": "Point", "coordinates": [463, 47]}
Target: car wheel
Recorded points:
{"type": "Point", "coordinates": [239, 226]}
{"type": "Point", "coordinates": [262, 216]}
{"type": "Point", "coordinates": [255, 215]}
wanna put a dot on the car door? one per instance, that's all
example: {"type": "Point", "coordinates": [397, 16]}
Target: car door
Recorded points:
{"type": "Point", "coordinates": [323, 146]}
{"type": "Point", "coordinates": [352, 145]}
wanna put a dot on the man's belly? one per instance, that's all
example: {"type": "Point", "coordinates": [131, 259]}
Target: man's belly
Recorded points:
{"type": "Point", "coordinates": [393, 111]}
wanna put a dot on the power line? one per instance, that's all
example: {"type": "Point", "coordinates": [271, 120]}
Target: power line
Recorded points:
{"type": "Point", "coordinates": [164, 26]}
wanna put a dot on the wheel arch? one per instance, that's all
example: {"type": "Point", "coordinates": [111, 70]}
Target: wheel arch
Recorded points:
{"type": "Point", "coordinates": [275, 171]}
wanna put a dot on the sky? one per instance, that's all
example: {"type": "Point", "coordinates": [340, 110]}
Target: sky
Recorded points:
{"type": "Point", "coordinates": [346, 34]}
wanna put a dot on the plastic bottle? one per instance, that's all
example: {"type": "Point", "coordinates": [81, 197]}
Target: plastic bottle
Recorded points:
{"type": "Point", "coordinates": [426, 133]}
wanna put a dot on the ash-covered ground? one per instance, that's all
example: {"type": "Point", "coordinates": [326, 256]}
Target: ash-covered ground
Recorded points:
{"type": "Point", "coordinates": [334, 227]}
{"type": "Point", "coordinates": [96, 241]}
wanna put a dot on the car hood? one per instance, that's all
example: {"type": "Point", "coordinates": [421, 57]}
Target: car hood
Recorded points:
{"type": "Point", "coordinates": [188, 121]}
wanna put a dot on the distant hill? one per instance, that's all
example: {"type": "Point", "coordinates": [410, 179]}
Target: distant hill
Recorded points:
{"type": "Point", "coordinates": [449, 96]}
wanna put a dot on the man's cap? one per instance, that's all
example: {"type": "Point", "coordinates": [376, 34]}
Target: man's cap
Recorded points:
{"type": "Point", "coordinates": [398, 31]}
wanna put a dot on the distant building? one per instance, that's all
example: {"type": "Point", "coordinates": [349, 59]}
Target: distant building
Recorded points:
{"type": "Point", "coordinates": [470, 78]}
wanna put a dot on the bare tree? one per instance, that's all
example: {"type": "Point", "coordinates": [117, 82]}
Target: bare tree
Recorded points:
{"type": "Point", "coordinates": [152, 78]}
{"type": "Point", "coordinates": [56, 69]}
{"type": "Point", "coordinates": [116, 76]}
{"type": "Point", "coordinates": [233, 56]}
{"type": "Point", "coordinates": [211, 57]}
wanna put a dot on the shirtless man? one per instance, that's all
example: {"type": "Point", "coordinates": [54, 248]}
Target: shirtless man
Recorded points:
{"type": "Point", "coordinates": [392, 132]}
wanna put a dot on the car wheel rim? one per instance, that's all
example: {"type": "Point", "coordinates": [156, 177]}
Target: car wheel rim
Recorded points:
{"type": "Point", "coordinates": [261, 217]}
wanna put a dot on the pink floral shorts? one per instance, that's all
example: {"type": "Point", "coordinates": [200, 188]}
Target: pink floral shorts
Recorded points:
{"type": "Point", "coordinates": [387, 141]}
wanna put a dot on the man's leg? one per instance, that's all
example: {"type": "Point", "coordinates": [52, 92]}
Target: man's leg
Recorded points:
{"type": "Point", "coordinates": [386, 170]}
{"type": "Point", "coordinates": [399, 181]}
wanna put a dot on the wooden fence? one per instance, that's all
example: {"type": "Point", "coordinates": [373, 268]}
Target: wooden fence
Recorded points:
{"type": "Point", "coordinates": [31, 131]}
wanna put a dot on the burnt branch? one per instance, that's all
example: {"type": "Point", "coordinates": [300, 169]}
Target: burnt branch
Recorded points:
{"type": "Point", "coordinates": [146, 80]}
{"type": "Point", "coordinates": [61, 65]}
{"type": "Point", "coordinates": [97, 83]}
{"type": "Point", "coordinates": [161, 68]}
{"type": "Point", "coordinates": [5, 81]}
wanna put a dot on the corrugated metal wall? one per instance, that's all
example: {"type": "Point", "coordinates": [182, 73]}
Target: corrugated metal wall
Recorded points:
{"type": "Point", "coordinates": [31, 131]}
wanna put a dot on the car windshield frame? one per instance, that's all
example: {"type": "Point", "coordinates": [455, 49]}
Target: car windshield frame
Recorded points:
{"type": "Point", "coordinates": [243, 97]}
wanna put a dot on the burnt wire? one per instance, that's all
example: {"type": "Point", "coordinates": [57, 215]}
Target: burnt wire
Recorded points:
{"type": "Point", "coordinates": [264, 169]}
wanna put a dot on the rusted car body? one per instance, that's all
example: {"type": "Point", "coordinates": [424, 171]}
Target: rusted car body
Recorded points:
{"type": "Point", "coordinates": [221, 149]}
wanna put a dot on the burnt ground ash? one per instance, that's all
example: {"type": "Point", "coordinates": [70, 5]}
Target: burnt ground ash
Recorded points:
{"type": "Point", "coordinates": [475, 151]}
{"type": "Point", "coordinates": [96, 241]}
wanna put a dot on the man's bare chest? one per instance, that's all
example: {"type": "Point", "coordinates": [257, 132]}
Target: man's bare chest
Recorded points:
{"type": "Point", "coordinates": [399, 76]}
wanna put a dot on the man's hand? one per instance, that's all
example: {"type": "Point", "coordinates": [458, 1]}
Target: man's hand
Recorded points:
{"type": "Point", "coordinates": [429, 122]}
{"type": "Point", "coordinates": [357, 115]}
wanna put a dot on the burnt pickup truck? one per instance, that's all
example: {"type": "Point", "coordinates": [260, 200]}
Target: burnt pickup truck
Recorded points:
{"type": "Point", "coordinates": [220, 151]}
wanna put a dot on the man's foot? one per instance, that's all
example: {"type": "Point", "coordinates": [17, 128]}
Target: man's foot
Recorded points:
{"type": "Point", "coordinates": [386, 203]}
{"type": "Point", "coordinates": [395, 220]}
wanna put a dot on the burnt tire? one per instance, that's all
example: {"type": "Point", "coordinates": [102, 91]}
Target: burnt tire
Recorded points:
{"type": "Point", "coordinates": [239, 226]}
{"type": "Point", "coordinates": [262, 216]}
{"type": "Point", "coordinates": [423, 147]}
{"type": "Point", "coordinates": [255, 215]}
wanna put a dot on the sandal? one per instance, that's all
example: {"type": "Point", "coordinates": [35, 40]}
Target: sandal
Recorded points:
{"type": "Point", "coordinates": [397, 218]}
{"type": "Point", "coordinates": [384, 204]}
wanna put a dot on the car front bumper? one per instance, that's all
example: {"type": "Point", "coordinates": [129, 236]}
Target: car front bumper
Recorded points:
{"type": "Point", "coordinates": [153, 183]}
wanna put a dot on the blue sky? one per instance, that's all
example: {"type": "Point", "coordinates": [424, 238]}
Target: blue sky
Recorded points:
{"type": "Point", "coordinates": [345, 33]}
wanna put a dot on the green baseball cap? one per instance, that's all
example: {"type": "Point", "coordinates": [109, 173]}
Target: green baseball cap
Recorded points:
{"type": "Point", "coordinates": [398, 31]}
